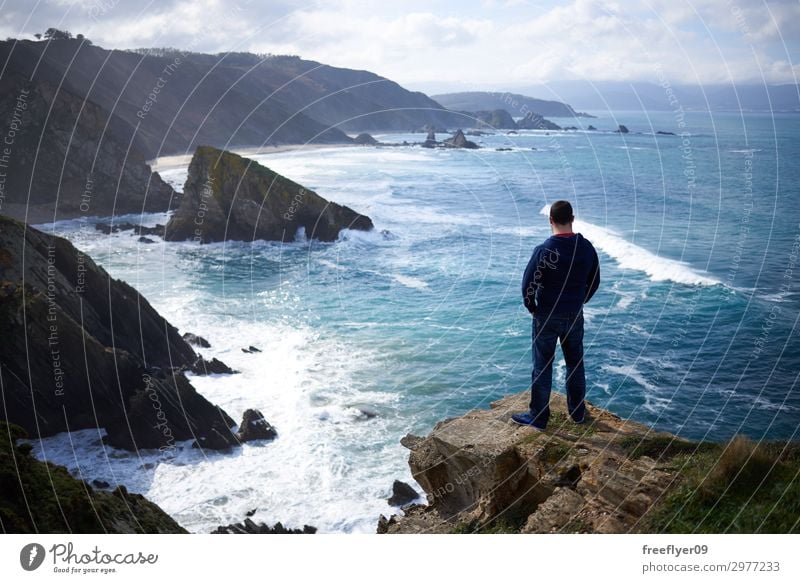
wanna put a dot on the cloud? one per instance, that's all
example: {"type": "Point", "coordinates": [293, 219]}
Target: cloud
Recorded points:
{"type": "Point", "coordinates": [470, 43]}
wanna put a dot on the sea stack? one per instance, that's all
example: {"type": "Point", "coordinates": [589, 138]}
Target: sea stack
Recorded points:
{"type": "Point", "coordinates": [534, 121]}
{"type": "Point", "coordinates": [460, 141]}
{"type": "Point", "coordinates": [228, 197]}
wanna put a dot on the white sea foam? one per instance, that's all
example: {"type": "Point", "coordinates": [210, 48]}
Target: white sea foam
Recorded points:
{"type": "Point", "coordinates": [625, 301]}
{"type": "Point", "coordinates": [310, 387]}
{"type": "Point", "coordinates": [631, 256]}
{"type": "Point", "coordinates": [760, 402]}
{"type": "Point", "coordinates": [408, 281]}
{"type": "Point", "coordinates": [652, 400]}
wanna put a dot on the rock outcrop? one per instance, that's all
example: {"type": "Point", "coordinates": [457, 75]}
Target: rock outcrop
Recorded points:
{"type": "Point", "coordinates": [482, 471]}
{"type": "Point", "coordinates": [498, 119]}
{"type": "Point", "coordinates": [255, 426]}
{"type": "Point", "coordinates": [228, 197]}
{"type": "Point", "coordinates": [365, 139]}
{"type": "Point", "coordinates": [459, 140]}
{"type": "Point", "coordinates": [622, 129]}
{"type": "Point", "coordinates": [430, 140]}
{"type": "Point", "coordinates": [196, 340]}
{"type": "Point", "coordinates": [81, 350]}
{"type": "Point", "coordinates": [402, 494]}
{"type": "Point", "coordinates": [534, 121]}
{"type": "Point", "coordinates": [251, 527]}
{"type": "Point", "coordinates": [40, 497]}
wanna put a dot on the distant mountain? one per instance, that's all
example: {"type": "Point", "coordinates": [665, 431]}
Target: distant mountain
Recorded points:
{"type": "Point", "coordinates": [516, 104]}
{"type": "Point", "coordinates": [347, 99]}
{"type": "Point", "coordinates": [173, 101]}
{"type": "Point", "coordinates": [169, 103]}
{"type": "Point", "coordinates": [86, 119]}
{"type": "Point", "coordinates": [614, 95]}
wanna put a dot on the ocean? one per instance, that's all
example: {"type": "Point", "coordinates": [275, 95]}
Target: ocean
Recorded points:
{"type": "Point", "coordinates": [693, 329]}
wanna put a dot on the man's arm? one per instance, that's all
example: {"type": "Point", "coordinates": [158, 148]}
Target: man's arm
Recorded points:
{"type": "Point", "coordinates": [529, 283]}
{"type": "Point", "coordinates": [593, 281]}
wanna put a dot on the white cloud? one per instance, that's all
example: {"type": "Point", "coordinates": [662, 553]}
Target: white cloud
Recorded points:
{"type": "Point", "coordinates": [479, 43]}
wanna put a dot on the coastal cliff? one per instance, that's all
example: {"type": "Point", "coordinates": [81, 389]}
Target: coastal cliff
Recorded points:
{"type": "Point", "coordinates": [82, 350]}
{"type": "Point", "coordinates": [483, 473]}
{"type": "Point", "coordinates": [67, 157]}
{"type": "Point", "coordinates": [228, 197]}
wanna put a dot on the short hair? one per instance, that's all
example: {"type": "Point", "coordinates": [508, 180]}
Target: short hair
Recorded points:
{"type": "Point", "coordinates": [561, 212]}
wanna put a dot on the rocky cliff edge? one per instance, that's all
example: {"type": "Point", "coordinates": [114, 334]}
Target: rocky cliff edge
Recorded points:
{"type": "Point", "coordinates": [483, 473]}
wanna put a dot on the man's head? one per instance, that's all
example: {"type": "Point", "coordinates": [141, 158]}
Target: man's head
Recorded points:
{"type": "Point", "coordinates": [561, 216]}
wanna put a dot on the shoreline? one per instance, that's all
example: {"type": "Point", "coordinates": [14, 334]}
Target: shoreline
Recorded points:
{"type": "Point", "coordinates": [173, 161]}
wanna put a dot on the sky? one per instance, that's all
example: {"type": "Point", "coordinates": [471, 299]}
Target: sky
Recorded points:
{"type": "Point", "coordinates": [436, 45]}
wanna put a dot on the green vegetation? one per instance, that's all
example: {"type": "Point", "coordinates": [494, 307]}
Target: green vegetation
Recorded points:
{"type": "Point", "coordinates": [561, 422]}
{"type": "Point", "coordinates": [555, 451]}
{"type": "Point", "coordinates": [738, 487]}
{"type": "Point", "coordinates": [41, 497]}
{"type": "Point", "coordinates": [661, 446]}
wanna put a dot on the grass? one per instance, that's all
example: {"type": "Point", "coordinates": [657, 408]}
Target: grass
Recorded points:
{"type": "Point", "coordinates": [555, 451]}
{"type": "Point", "coordinates": [739, 487]}
{"type": "Point", "coordinates": [661, 446]}
{"type": "Point", "coordinates": [560, 421]}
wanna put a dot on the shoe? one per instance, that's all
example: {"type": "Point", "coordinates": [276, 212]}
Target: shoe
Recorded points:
{"type": "Point", "coordinates": [525, 419]}
{"type": "Point", "coordinates": [581, 422]}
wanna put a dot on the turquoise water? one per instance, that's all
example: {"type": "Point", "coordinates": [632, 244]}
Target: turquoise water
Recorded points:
{"type": "Point", "coordinates": [692, 330]}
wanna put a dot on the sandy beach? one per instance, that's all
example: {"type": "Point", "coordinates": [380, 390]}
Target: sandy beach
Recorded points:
{"type": "Point", "coordinates": [175, 161]}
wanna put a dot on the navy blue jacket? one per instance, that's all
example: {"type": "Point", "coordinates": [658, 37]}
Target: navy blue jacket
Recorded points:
{"type": "Point", "coordinates": [562, 275]}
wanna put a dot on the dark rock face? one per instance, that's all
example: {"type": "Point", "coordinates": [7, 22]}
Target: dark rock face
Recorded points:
{"type": "Point", "coordinates": [108, 228]}
{"type": "Point", "coordinates": [622, 129]}
{"type": "Point", "coordinates": [214, 366]}
{"type": "Point", "coordinates": [250, 527]}
{"type": "Point", "coordinates": [227, 197]}
{"type": "Point", "coordinates": [534, 121]}
{"type": "Point", "coordinates": [254, 426]}
{"type": "Point", "coordinates": [64, 504]}
{"type": "Point", "coordinates": [498, 119]}
{"type": "Point", "coordinates": [365, 140]}
{"type": "Point", "coordinates": [155, 418]}
{"type": "Point", "coordinates": [69, 154]}
{"type": "Point", "coordinates": [460, 141]}
{"type": "Point", "coordinates": [663, 133]}
{"type": "Point", "coordinates": [196, 340]}
{"type": "Point", "coordinates": [402, 494]}
{"type": "Point", "coordinates": [62, 358]}
{"type": "Point", "coordinates": [430, 141]}
{"type": "Point", "coordinates": [591, 128]}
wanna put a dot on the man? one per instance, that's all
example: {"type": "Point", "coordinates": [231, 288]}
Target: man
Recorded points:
{"type": "Point", "coordinates": [562, 275]}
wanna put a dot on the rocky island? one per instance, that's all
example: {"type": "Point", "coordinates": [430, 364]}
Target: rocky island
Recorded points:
{"type": "Point", "coordinates": [483, 473]}
{"type": "Point", "coordinates": [228, 197]}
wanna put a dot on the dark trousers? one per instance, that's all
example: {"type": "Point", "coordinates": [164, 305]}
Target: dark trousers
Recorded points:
{"type": "Point", "coordinates": [568, 328]}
